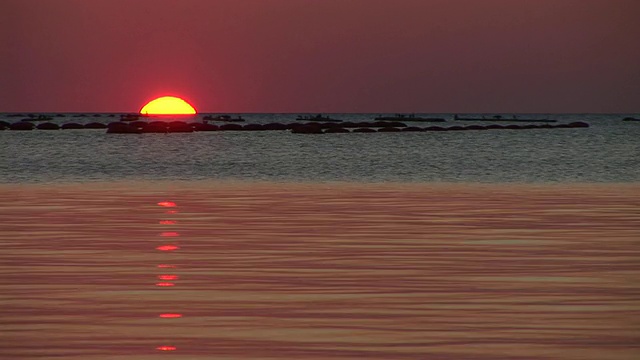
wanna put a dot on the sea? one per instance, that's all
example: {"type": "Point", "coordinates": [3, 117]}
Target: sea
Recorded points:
{"type": "Point", "coordinates": [606, 152]}
{"type": "Point", "coordinates": [478, 244]}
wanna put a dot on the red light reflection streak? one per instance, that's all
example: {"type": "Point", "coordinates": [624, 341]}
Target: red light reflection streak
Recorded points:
{"type": "Point", "coordinates": [166, 348]}
{"type": "Point", "coordinates": [170, 234]}
{"type": "Point", "coordinates": [170, 315]}
{"type": "Point", "coordinates": [166, 279]}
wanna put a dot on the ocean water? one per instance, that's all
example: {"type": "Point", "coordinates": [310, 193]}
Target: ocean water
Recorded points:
{"type": "Point", "coordinates": [485, 245]}
{"type": "Point", "coordinates": [608, 151]}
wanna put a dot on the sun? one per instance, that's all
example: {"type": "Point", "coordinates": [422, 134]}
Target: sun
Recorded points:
{"type": "Point", "coordinates": [167, 105]}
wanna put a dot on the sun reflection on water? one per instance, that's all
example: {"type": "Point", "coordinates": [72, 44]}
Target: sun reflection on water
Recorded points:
{"type": "Point", "coordinates": [500, 272]}
{"type": "Point", "coordinates": [166, 348]}
{"type": "Point", "coordinates": [168, 277]}
{"type": "Point", "coordinates": [168, 247]}
{"type": "Point", "coordinates": [167, 204]}
{"type": "Point", "coordinates": [170, 315]}
{"type": "Point", "coordinates": [168, 280]}
{"type": "Point", "coordinates": [170, 234]}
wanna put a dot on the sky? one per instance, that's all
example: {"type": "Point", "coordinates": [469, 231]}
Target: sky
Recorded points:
{"type": "Point", "coordinates": [429, 56]}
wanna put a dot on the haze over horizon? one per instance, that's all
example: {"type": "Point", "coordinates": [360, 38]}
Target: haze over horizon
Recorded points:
{"type": "Point", "coordinates": [489, 56]}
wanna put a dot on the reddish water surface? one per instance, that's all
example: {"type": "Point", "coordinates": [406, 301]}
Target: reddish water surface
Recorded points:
{"type": "Point", "coordinates": [320, 271]}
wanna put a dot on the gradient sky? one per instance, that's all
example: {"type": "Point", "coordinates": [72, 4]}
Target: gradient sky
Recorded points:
{"type": "Point", "coordinates": [321, 55]}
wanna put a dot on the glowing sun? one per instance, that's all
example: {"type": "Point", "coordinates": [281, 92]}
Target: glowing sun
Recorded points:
{"type": "Point", "coordinates": [167, 105]}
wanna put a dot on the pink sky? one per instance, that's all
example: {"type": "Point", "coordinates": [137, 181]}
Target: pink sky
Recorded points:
{"type": "Point", "coordinates": [322, 55]}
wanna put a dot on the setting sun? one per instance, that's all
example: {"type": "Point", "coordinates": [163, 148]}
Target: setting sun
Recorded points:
{"type": "Point", "coordinates": [167, 105]}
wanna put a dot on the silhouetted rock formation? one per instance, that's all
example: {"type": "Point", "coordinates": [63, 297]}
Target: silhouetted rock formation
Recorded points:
{"type": "Point", "coordinates": [336, 130]}
{"type": "Point", "coordinates": [364, 124]}
{"type": "Point", "coordinates": [70, 126]}
{"type": "Point", "coordinates": [139, 123]}
{"type": "Point", "coordinates": [275, 126]}
{"type": "Point", "coordinates": [578, 124]}
{"type": "Point", "coordinates": [388, 129]}
{"type": "Point", "coordinates": [179, 127]}
{"type": "Point", "coordinates": [95, 125]}
{"type": "Point", "coordinates": [231, 127]}
{"type": "Point", "coordinates": [475, 127]}
{"type": "Point", "coordinates": [253, 127]}
{"type": "Point", "coordinates": [48, 126]}
{"type": "Point", "coordinates": [156, 127]}
{"type": "Point", "coordinates": [122, 128]}
{"type": "Point", "coordinates": [22, 125]}
{"type": "Point", "coordinates": [307, 129]}
{"type": "Point", "coordinates": [454, 128]}
{"type": "Point", "coordinates": [204, 127]}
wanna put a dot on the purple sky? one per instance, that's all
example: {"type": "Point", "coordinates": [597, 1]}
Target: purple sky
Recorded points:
{"type": "Point", "coordinates": [322, 55]}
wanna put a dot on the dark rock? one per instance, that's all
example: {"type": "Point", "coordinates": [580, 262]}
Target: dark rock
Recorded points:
{"type": "Point", "coordinates": [475, 127]}
{"type": "Point", "coordinates": [578, 124]}
{"type": "Point", "coordinates": [330, 125]}
{"type": "Point", "coordinates": [71, 126]}
{"type": "Point", "coordinates": [179, 127]}
{"type": "Point", "coordinates": [21, 125]}
{"type": "Point", "coordinates": [275, 126]}
{"type": "Point", "coordinates": [397, 124]}
{"type": "Point", "coordinates": [454, 128]}
{"type": "Point", "coordinates": [122, 128]}
{"type": "Point", "coordinates": [334, 130]}
{"type": "Point", "coordinates": [253, 127]}
{"type": "Point", "coordinates": [139, 123]}
{"type": "Point", "coordinates": [204, 127]}
{"type": "Point", "coordinates": [364, 124]}
{"type": "Point", "coordinates": [231, 127]}
{"type": "Point", "coordinates": [307, 129]}
{"type": "Point", "coordinates": [364, 130]}
{"type": "Point", "coordinates": [434, 128]}
{"type": "Point", "coordinates": [156, 127]}
{"type": "Point", "coordinates": [48, 126]}
{"type": "Point", "coordinates": [95, 125]}
{"type": "Point", "coordinates": [382, 124]}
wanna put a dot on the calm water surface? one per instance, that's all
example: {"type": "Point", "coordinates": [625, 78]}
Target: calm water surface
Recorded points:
{"type": "Point", "coordinates": [320, 271]}
{"type": "Point", "coordinates": [271, 245]}
{"type": "Point", "coordinates": [608, 151]}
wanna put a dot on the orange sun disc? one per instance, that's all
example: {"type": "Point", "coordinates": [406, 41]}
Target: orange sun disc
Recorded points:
{"type": "Point", "coordinates": [167, 105]}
